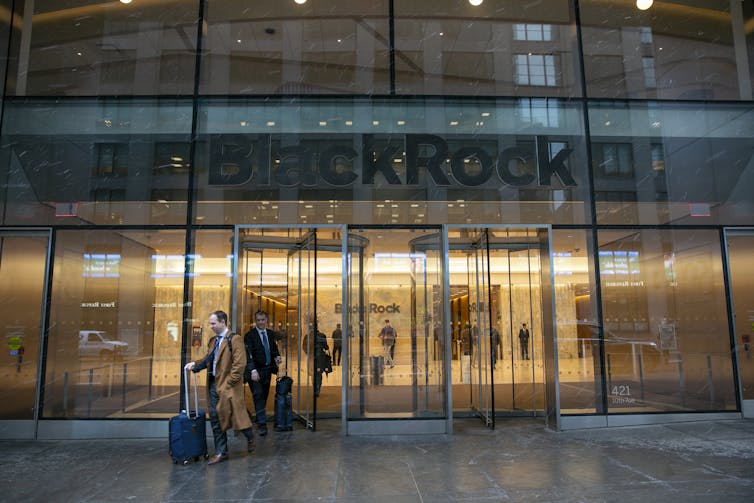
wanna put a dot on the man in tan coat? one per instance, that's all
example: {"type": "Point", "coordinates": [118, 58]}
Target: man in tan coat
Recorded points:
{"type": "Point", "coordinates": [225, 364]}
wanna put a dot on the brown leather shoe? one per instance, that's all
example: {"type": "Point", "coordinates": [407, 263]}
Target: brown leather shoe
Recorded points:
{"type": "Point", "coordinates": [217, 458]}
{"type": "Point", "coordinates": [250, 445]}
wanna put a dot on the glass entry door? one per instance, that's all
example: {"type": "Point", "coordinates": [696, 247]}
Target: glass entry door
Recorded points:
{"type": "Point", "coordinates": [396, 374]}
{"type": "Point", "coordinates": [497, 329]}
{"type": "Point", "coordinates": [295, 276]}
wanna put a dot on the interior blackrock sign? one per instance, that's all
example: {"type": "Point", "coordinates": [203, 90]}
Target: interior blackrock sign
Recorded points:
{"type": "Point", "coordinates": [248, 159]}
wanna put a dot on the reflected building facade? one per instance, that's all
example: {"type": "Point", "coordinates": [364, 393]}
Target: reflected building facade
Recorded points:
{"type": "Point", "coordinates": [584, 167]}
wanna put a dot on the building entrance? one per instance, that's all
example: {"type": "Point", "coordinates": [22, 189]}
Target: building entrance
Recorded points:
{"type": "Point", "coordinates": [496, 321]}
{"type": "Point", "coordinates": [421, 323]}
{"type": "Point", "coordinates": [295, 276]}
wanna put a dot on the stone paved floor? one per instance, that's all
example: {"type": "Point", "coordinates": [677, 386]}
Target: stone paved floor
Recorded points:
{"type": "Point", "coordinates": [519, 461]}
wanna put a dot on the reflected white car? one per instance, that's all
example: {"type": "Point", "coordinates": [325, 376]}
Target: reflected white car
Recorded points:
{"type": "Point", "coordinates": [98, 343]}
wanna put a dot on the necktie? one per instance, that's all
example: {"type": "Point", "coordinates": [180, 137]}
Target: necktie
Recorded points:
{"type": "Point", "coordinates": [266, 345]}
{"type": "Point", "coordinates": [217, 350]}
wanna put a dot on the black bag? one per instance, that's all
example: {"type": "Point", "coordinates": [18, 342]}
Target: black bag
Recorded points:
{"type": "Point", "coordinates": [283, 385]}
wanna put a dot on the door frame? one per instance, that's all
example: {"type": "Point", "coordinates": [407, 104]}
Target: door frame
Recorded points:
{"type": "Point", "coordinates": [746, 406]}
{"type": "Point", "coordinates": [549, 325]}
{"type": "Point", "coordinates": [344, 294]}
{"type": "Point", "coordinates": [29, 428]}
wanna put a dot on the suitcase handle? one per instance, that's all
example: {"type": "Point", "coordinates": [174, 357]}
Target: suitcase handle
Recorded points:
{"type": "Point", "coordinates": [196, 393]}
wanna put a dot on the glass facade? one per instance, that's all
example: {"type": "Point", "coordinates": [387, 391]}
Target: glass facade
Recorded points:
{"type": "Point", "coordinates": [584, 168]}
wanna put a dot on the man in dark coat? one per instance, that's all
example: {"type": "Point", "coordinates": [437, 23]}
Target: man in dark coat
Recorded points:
{"type": "Point", "coordinates": [264, 358]}
{"type": "Point", "coordinates": [523, 339]}
{"type": "Point", "coordinates": [225, 365]}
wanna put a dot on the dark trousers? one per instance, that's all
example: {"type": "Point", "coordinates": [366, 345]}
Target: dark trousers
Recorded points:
{"type": "Point", "coordinates": [337, 351]}
{"type": "Point", "coordinates": [220, 437]}
{"type": "Point", "coordinates": [525, 350]}
{"type": "Point", "coordinates": [260, 391]}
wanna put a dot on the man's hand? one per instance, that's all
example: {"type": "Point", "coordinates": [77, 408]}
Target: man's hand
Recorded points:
{"type": "Point", "coordinates": [254, 375]}
{"type": "Point", "coordinates": [189, 366]}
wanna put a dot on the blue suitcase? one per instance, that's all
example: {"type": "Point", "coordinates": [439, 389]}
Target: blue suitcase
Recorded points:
{"type": "Point", "coordinates": [188, 431]}
{"type": "Point", "coordinates": [283, 404]}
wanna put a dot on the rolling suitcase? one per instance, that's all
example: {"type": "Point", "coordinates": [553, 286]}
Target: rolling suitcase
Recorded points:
{"type": "Point", "coordinates": [283, 404]}
{"type": "Point", "coordinates": [188, 431]}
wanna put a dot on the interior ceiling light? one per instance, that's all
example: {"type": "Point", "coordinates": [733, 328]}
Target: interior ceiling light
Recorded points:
{"type": "Point", "coordinates": [644, 4]}
{"type": "Point", "coordinates": [125, 1]}
{"type": "Point", "coordinates": [476, 2]}
{"type": "Point", "coordinates": [300, 2]}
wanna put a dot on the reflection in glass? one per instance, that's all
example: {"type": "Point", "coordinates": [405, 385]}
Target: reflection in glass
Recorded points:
{"type": "Point", "coordinates": [23, 259]}
{"type": "Point", "coordinates": [276, 47]}
{"type": "Point", "coordinates": [89, 48]}
{"type": "Point", "coordinates": [680, 50]}
{"type": "Point", "coordinates": [336, 161]}
{"type": "Point", "coordinates": [664, 163]}
{"type": "Point", "coordinates": [114, 344]}
{"type": "Point", "coordinates": [666, 339]}
{"type": "Point", "coordinates": [493, 49]}
{"type": "Point", "coordinates": [95, 161]}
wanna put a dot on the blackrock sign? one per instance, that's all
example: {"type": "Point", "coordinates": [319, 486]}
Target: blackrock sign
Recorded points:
{"type": "Point", "coordinates": [270, 160]}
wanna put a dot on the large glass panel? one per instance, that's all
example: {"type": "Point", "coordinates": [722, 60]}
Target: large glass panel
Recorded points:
{"type": "Point", "coordinates": [663, 163]}
{"type": "Point", "coordinates": [495, 48]}
{"type": "Point", "coordinates": [496, 315]}
{"type": "Point", "coordinates": [395, 299]}
{"type": "Point", "coordinates": [23, 264]}
{"type": "Point", "coordinates": [295, 275]}
{"type": "Point", "coordinates": [679, 50]}
{"type": "Point", "coordinates": [275, 47]}
{"type": "Point", "coordinates": [741, 267]}
{"type": "Point", "coordinates": [578, 341]}
{"type": "Point", "coordinates": [666, 337]}
{"type": "Point", "coordinates": [106, 162]}
{"type": "Point", "coordinates": [90, 48]}
{"type": "Point", "coordinates": [210, 280]}
{"type": "Point", "coordinates": [372, 161]}
{"type": "Point", "coordinates": [116, 314]}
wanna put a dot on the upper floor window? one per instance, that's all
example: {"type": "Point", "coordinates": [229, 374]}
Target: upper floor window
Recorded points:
{"type": "Point", "coordinates": [646, 34]}
{"type": "Point", "coordinates": [535, 70]}
{"type": "Point", "coordinates": [533, 32]}
{"type": "Point", "coordinates": [648, 65]}
{"type": "Point", "coordinates": [614, 159]}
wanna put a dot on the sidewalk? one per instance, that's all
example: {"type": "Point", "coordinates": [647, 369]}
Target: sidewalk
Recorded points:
{"type": "Point", "coordinates": [519, 461]}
